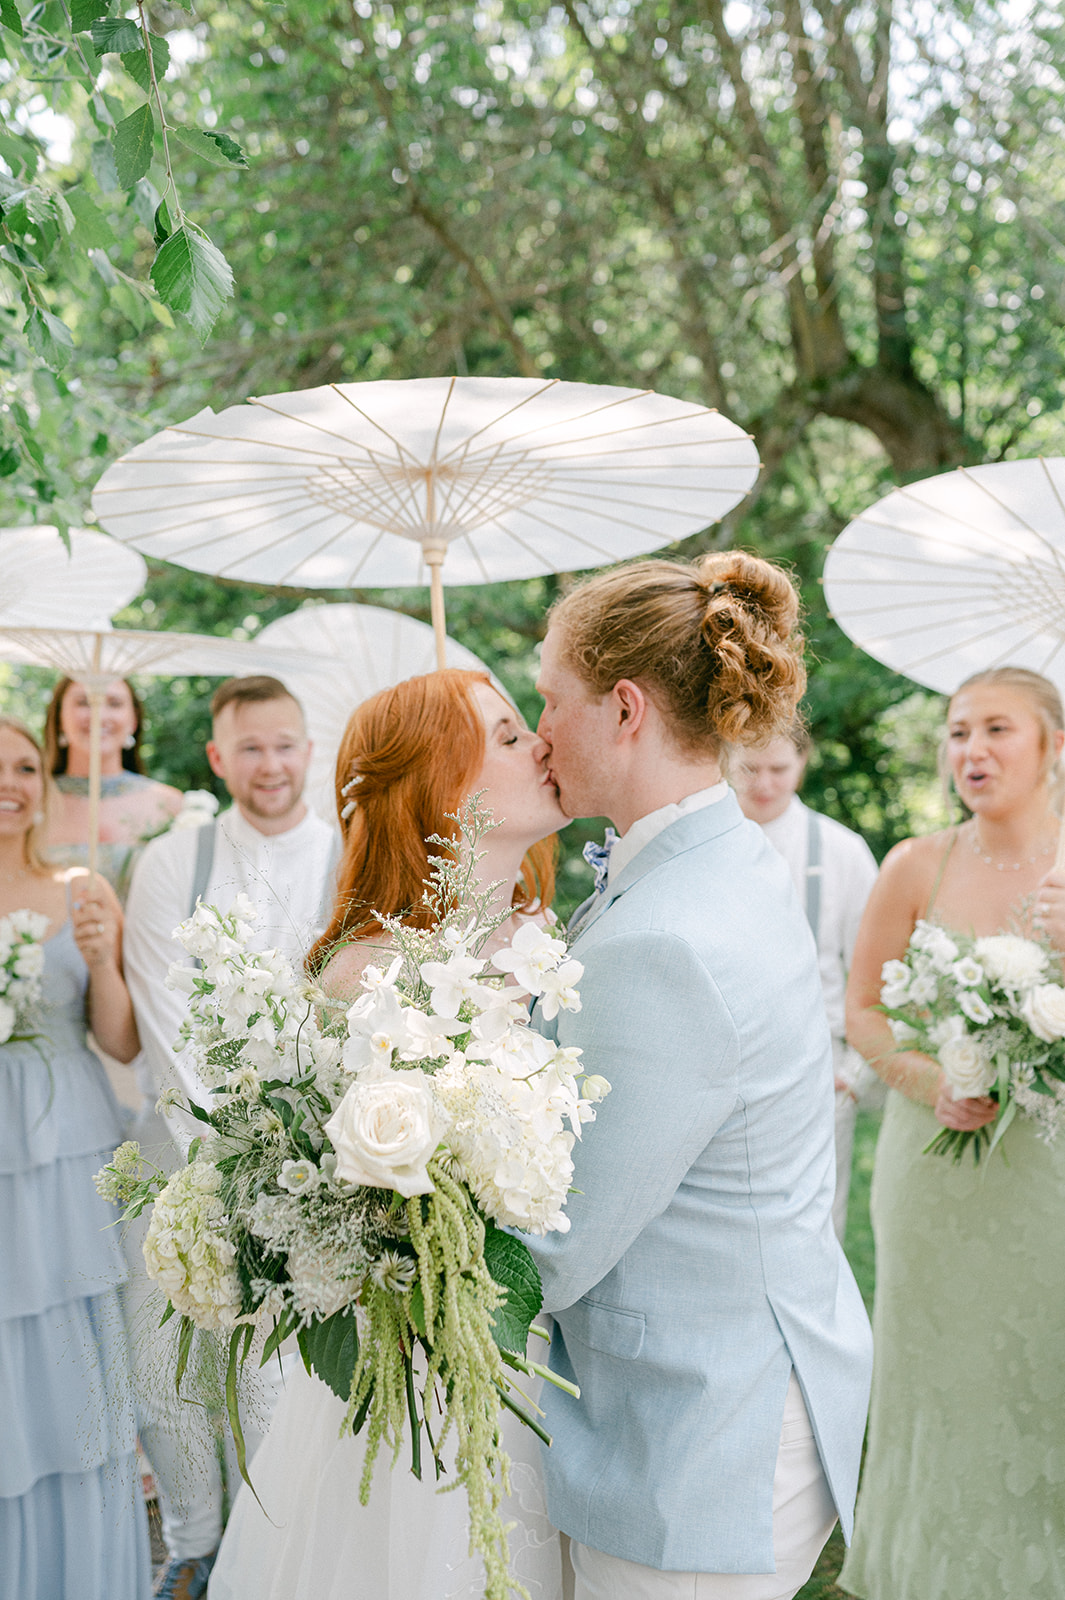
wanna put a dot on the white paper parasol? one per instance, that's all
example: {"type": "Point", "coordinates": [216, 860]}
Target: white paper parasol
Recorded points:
{"type": "Point", "coordinates": [957, 574]}
{"type": "Point", "coordinates": [456, 480]}
{"type": "Point", "coordinates": [371, 649]}
{"type": "Point", "coordinates": [95, 657]}
{"type": "Point", "coordinates": [43, 585]}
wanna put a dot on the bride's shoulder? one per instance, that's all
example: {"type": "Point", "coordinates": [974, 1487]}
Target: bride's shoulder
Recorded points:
{"type": "Point", "coordinates": [341, 977]}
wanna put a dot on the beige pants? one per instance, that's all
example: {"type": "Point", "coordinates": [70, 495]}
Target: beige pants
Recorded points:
{"type": "Point", "coordinates": [803, 1518]}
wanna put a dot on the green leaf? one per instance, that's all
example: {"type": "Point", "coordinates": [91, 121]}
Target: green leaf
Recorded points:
{"type": "Point", "coordinates": [132, 142]}
{"type": "Point", "coordinates": [212, 146]}
{"type": "Point", "coordinates": [91, 228]}
{"type": "Point", "coordinates": [513, 1268]}
{"type": "Point", "coordinates": [331, 1348]}
{"type": "Point", "coordinates": [10, 16]}
{"type": "Point", "coordinates": [104, 170]}
{"type": "Point", "coordinates": [111, 33]}
{"type": "Point", "coordinates": [9, 460]}
{"type": "Point", "coordinates": [21, 154]}
{"type": "Point", "coordinates": [161, 223]}
{"type": "Point", "coordinates": [83, 13]}
{"type": "Point", "coordinates": [50, 337]}
{"type": "Point", "coordinates": [102, 262]}
{"type": "Point", "coordinates": [191, 275]}
{"type": "Point", "coordinates": [136, 61]}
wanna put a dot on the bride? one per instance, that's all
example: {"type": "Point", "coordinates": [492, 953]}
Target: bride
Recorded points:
{"type": "Point", "coordinates": [409, 756]}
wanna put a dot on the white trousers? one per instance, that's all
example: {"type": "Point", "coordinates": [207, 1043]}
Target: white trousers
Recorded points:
{"type": "Point", "coordinates": [803, 1517]}
{"type": "Point", "coordinates": [188, 1445]}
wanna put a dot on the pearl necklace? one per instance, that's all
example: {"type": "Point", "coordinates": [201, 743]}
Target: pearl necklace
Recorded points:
{"type": "Point", "coordinates": [1003, 866]}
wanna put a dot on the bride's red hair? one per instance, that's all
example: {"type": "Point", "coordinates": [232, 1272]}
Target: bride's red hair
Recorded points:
{"type": "Point", "coordinates": [416, 751]}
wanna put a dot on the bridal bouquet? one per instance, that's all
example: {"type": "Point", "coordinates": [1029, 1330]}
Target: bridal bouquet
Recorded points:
{"type": "Point", "coordinates": [21, 966]}
{"type": "Point", "coordinates": [991, 1011]}
{"type": "Point", "coordinates": [354, 1176]}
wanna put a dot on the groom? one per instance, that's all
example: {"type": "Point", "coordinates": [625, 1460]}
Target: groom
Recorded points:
{"type": "Point", "coordinates": [701, 1301]}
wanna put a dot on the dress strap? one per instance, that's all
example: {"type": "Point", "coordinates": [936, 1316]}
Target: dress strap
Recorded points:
{"type": "Point", "coordinates": [954, 832]}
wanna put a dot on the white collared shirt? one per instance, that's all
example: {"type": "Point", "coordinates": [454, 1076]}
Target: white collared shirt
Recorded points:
{"type": "Point", "coordinates": [283, 874]}
{"type": "Point", "coordinates": [644, 829]}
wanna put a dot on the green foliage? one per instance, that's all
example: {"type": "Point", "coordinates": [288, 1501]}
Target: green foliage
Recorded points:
{"type": "Point", "coordinates": [514, 1270]}
{"type": "Point", "coordinates": [193, 277]}
{"type": "Point", "coordinates": [331, 1350]}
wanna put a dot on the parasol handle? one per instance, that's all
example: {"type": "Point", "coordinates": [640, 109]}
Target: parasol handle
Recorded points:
{"type": "Point", "coordinates": [434, 559]}
{"type": "Point", "coordinates": [95, 708]}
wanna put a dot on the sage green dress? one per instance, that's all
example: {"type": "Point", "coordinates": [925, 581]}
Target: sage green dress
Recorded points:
{"type": "Point", "coordinates": [963, 1494]}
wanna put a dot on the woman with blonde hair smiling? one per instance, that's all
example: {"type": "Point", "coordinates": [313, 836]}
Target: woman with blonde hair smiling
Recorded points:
{"type": "Point", "coordinates": [962, 1490]}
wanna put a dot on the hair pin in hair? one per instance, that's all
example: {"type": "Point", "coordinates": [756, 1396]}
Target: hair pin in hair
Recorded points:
{"type": "Point", "coordinates": [358, 777]}
{"type": "Point", "coordinates": [348, 810]}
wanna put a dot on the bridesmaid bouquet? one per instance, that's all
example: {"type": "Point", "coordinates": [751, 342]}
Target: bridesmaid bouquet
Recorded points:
{"type": "Point", "coordinates": [354, 1176]}
{"type": "Point", "coordinates": [991, 1011]}
{"type": "Point", "coordinates": [21, 966]}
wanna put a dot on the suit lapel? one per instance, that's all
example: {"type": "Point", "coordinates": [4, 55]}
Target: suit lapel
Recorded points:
{"type": "Point", "coordinates": [685, 834]}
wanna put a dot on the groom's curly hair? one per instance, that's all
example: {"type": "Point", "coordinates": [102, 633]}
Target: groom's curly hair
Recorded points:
{"type": "Point", "coordinates": [715, 643]}
{"type": "Point", "coordinates": [409, 757]}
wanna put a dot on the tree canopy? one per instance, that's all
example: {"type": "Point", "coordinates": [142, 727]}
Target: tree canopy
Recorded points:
{"type": "Point", "coordinates": [837, 220]}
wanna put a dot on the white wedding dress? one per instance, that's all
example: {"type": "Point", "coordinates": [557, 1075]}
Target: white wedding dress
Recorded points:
{"type": "Point", "coordinates": [410, 1542]}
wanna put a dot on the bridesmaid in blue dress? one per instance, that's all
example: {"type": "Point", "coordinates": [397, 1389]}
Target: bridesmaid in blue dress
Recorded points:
{"type": "Point", "coordinates": [72, 1520]}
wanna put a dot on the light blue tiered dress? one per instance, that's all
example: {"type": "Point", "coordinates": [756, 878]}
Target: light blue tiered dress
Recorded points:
{"type": "Point", "coordinates": [72, 1521]}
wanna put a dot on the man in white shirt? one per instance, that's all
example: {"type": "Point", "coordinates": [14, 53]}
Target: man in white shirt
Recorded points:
{"type": "Point", "coordinates": [272, 848]}
{"type": "Point", "coordinates": [833, 870]}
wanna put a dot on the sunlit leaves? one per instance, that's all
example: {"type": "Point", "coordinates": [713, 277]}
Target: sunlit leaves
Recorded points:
{"type": "Point", "coordinates": [120, 35]}
{"type": "Point", "coordinates": [50, 338]}
{"type": "Point", "coordinates": [212, 146]}
{"type": "Point", "coordinates": [133, 142]}
{"type": "Point", "coordinates": [191, 275]}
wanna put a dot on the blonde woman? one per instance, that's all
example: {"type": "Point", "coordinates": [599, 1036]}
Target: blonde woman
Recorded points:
{"type": "Point", "coordinates": [962, 1491]}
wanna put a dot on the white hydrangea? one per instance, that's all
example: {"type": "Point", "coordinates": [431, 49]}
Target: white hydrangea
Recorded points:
{"type": "Point", "coordinates": [187, 1250]}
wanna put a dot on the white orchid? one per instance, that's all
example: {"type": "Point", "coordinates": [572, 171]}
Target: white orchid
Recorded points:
{"type": "Point", "coordinates": [453, 981]}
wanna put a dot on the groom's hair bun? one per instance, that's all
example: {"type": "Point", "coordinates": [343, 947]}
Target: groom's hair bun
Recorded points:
{"type": "Point", "coordinates": [715, 642]}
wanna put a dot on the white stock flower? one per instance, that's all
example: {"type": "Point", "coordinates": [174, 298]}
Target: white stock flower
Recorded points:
{"type": "Point", "coordinates": [1008, 959]}
{"type": "Point", "coordinates": [901, 1031]}
{"type": "Point", "coordinates": [967, 972]}
{"type": "Point", "coordinates": [29, 962]}
{"type": "Point", "coordinates": [968, 1068]}
{"type": "Point", "coordinates": [385, 1130]}
{"type": "Point", "coordinates": [975, 1007]}
{"type": "Point", "coordinates": [7, 1021]}
{"type": "Point", "coordinates": [1043, 1010]}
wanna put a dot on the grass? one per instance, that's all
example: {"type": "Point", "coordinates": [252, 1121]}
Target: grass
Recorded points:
{"type": "Point", "coordinates": [859, 1246]}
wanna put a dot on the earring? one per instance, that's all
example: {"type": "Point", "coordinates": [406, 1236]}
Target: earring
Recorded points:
{"type": "Point", "coordinates": [62, 741]}
{"type": "Point", "coordinates": [38, 818]}
{"type": "Point", "coordinates": [129, 741]}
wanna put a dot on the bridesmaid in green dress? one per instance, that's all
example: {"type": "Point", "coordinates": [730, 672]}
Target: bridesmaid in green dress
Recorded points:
{"type": "Point", "coordinates": [133, 807]}
{"type": "Point", "coordinates": [963, 1495]}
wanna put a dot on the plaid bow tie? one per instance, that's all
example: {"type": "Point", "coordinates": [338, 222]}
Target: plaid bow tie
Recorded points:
{"type": "Point", "coordinates": [598, 858]}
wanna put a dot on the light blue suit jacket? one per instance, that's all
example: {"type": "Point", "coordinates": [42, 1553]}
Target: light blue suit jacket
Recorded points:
{"type": "Point", "coordinates": [701, 1265]}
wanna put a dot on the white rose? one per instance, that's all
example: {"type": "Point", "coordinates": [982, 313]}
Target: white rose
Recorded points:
{"type": "Point", "coordinates": [1010, 960]}
{"type": "Point", "coordinates": [384, 1132]}
{"type": "Point", "coordinates": [968, 1068]}
{"type": "Point", "coordinates": [1044, 1011]}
